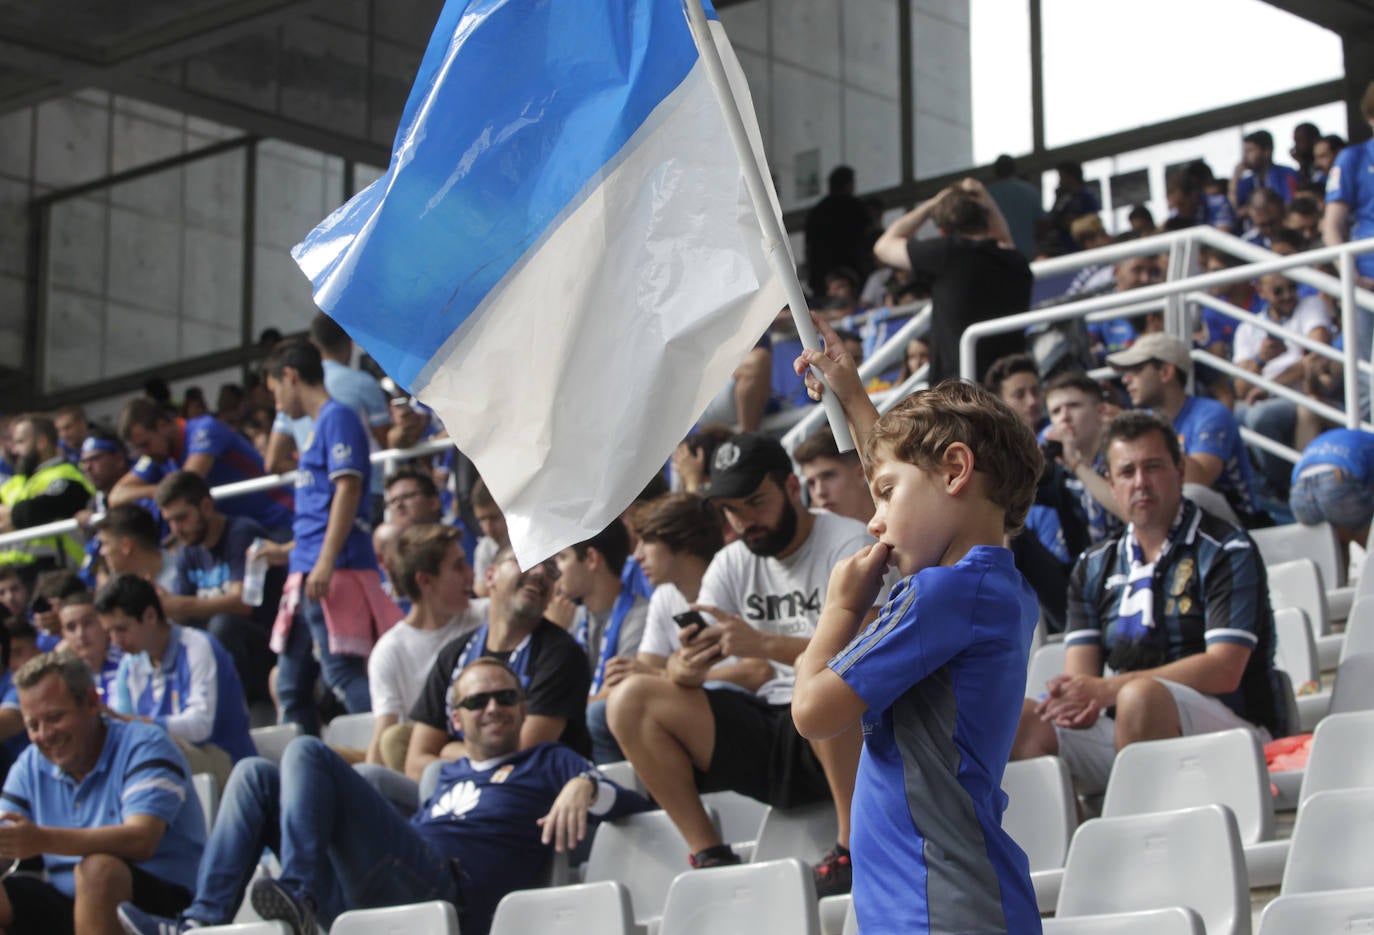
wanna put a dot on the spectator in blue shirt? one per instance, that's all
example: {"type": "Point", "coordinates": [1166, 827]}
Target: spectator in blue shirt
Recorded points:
{"type": "Point", "coordinates": [333, 603]}
{"type": "Point", "coordinates": [1216, 467]}
{"type": "Point", "coordinates": [354, 388]}
{"type": "Point", "coordinates": [1349, 211]}
{"type": "Point", "coordinates": [486, 831]}
{"type": "Point", "coordinates": [108, 805]}
{"type": "Point", "coordinates": [1333, 482]}
{"type": "Point", "coordinates": [204, 445]}
{"type": "Point", "coordinates": [1256, 169]}
{"type": "Point", "coordinates": [177, 678]}
{"type": "Point", "coordinates": [210, 568]}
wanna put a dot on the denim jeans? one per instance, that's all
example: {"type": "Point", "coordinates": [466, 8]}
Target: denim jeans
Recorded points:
{"type": "Point", "coordinates": [1332, 496]}
{"type": "Point", "coordinates": [339, 842]}
{"type": "Point", "coordinates": [346, 676]}
{"type": "Point", "coordinates": [604, 746]}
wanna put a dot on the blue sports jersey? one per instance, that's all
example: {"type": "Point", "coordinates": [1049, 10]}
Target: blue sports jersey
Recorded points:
{"type": "Point", "coordinates": [235, 460]}
{"type": "Point", "coordinates": [1348, 449]}
{"type": "Point", "coordinates": [1114, 334]}
{"type": "Point", "coordinates": [1351, 182]}
{"type": "Point", "coordinates": [942, 671]}
{"type": "Point", "coordinates": [140, 772]}
{"type": "Point", "coordinates": [208, 571]}
{"type": "Point", "coordinates": [1281, 179]}
{"type": "Point", "coordinates": [337, 448]}
{"type": "Point", "coordinates": [1205, 426]}
{"type": "Point", "coordinates": [196, 695]}
{"type": "Point", "coordinates": [1215, 209]}
{"type": "Point", "coordinates": [488, 819]}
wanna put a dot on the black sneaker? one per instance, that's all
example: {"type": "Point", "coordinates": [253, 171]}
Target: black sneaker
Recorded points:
{"type": "Point", "coordinates": [275, 903]}
{"type": "Point", "coordinates": [834, 875]}
{"type": "Point", "coordinates": [719, 856]}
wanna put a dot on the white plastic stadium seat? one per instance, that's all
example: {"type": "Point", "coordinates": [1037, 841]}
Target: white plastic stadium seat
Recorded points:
{"type": "Point", "coordinates": [567, 910]}
{"type": "Point", "coordinates": [1040, 817]}
{"type": "Point", "coordinates": [1045, 663]}
{"type": "Point", "coordinates": [740, 816]}
{"type": "Point", "coordinates": [353, 731]}
{"type": "Point", "coordinates": [1190, 858]}
{"type": "Point", "coordinates": [1330, 849]}
{"type": "Point", "coordinates": [207, 790]}
{"type": "Point", "coordinates": [806, 833]}
{"type": "Point", "coordinates": [1353, 689]}
{"type": "Point", "coordinates": [1298, 583]}
{"type": "Point", "coordinates": [1225, 768]}
{"type": "Point", "coordinates": [246, 928]}
{"type": "Point", "coordinates": [1328, 913]}
{"type": "Point", "coordinates": [271, 742]}
{"type": "Point", "coordinates": [433, 918]}
{"type": "Point", "coordinates": [1296, 651]}
{"type": "Point", "coordinates": [644, 852]}
{"type": "Point", "coordinates": [1175, 921]}
{"type": "Point", "coordinates": [1359, 627]}
{"type": "Point", "coordinates": [1293, 541]}
{"type": "Point", "coordinates": [777, 897]}
{"type": "Point", "coordinates": [623, 774]}
{"type": "Point", "coordinates": [1342, 755]}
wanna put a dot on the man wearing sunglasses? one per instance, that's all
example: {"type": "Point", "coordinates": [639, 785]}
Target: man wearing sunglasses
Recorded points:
{"type": "Point", "coordinates": [485, 832]}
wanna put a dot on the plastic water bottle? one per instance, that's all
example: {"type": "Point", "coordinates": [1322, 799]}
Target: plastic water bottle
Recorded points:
{"type": "Point", "coordinates": [254, 574]}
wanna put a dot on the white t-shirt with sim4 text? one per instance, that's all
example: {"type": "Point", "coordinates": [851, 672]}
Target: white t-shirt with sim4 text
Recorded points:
{"type": "Point", "coordinates": [783, 595]}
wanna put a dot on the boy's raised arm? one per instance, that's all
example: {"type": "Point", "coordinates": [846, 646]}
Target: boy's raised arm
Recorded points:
{"type": "Point", "coordinates": [843, 376]}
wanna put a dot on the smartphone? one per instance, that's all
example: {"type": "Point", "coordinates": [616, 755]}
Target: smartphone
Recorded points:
{"type": "Point", "coordinates": [688, 618]}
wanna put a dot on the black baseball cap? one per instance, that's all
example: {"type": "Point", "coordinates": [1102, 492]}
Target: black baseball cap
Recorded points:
{"type": "Point", "coordinates": [740, 464]}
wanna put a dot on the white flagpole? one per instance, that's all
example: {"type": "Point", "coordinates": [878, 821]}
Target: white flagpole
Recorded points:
{"type": "Point", "coordinates": [774, 237]}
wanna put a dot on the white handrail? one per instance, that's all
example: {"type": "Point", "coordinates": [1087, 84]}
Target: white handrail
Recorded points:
{"type": "Point", "coordinates": [881, 359]}
{"type": "Point", "coordinates": [1264, 262]}
{"type": "Point", "coordinates": [225, 491]}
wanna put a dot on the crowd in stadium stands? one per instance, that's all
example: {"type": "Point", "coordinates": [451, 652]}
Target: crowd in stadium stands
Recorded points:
{"type": "Point", "coordinates": [138, 650]}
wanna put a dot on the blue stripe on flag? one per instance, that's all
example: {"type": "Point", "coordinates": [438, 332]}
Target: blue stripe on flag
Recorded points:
{"type": "Point", "coordinates": [517, 105]}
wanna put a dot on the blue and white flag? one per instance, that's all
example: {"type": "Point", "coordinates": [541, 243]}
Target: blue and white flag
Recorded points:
{"type": "Point", "coordinates": [562, 259]}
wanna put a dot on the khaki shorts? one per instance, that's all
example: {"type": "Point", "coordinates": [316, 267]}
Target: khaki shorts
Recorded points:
{"type": "Point", "coordinates": [1089, 753]}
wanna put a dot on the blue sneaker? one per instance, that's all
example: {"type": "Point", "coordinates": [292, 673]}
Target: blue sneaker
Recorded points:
{"type": "Point", "coordinates": [275, 903]}
{"type": "Point", "coordinates": [138, 922]}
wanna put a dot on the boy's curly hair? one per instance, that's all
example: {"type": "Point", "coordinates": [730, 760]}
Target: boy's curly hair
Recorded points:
{"type": "Point", "coordinates": [919, 429]}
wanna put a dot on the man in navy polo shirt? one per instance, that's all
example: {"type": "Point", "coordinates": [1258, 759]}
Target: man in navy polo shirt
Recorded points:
{"type": "Point", "coordinates": [333, 603]}
{"type": "Point", "coordinates": [486, 831]}
{"type": "Point", "coordinates": [108, 805]}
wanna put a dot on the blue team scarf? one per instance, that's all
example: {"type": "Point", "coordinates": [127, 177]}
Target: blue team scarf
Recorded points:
{"type": "Point", "coordinates": [519, 659]}
{"type": "Point", "coordinates": [1136, 613]}
{"type": "Point", "coordinates": [611, 641]}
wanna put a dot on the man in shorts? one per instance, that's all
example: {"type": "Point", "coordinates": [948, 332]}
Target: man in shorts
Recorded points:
{"type": "Point", "coordinates": [1177, 604]}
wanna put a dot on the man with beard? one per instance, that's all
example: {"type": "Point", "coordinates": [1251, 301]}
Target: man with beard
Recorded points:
{"type": "Point", "coordinates": [765, 592]}
{"type": "Point", "coordinates": [45, 487]}
{"type": "Point", "coordinates": [551, 666]}
{"type": "Point", "coordinates": [210, 567]}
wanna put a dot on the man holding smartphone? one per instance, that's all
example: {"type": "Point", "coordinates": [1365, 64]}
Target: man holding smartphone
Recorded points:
{"type": "Point", "coordinates": [765, 592]}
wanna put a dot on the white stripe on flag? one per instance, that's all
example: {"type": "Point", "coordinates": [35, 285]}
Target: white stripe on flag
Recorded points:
{"type": "Point", "coordinates": [630, 315]}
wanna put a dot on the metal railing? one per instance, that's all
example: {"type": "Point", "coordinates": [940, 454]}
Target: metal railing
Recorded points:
{"type": "Point", "coordinates": [227, 491]}
{"type": "Point", "coordinates": [1182, 288]}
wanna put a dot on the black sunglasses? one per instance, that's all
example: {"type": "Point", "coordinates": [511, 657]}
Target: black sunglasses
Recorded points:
{"type": "Point", "coordinates": [506, 698]}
